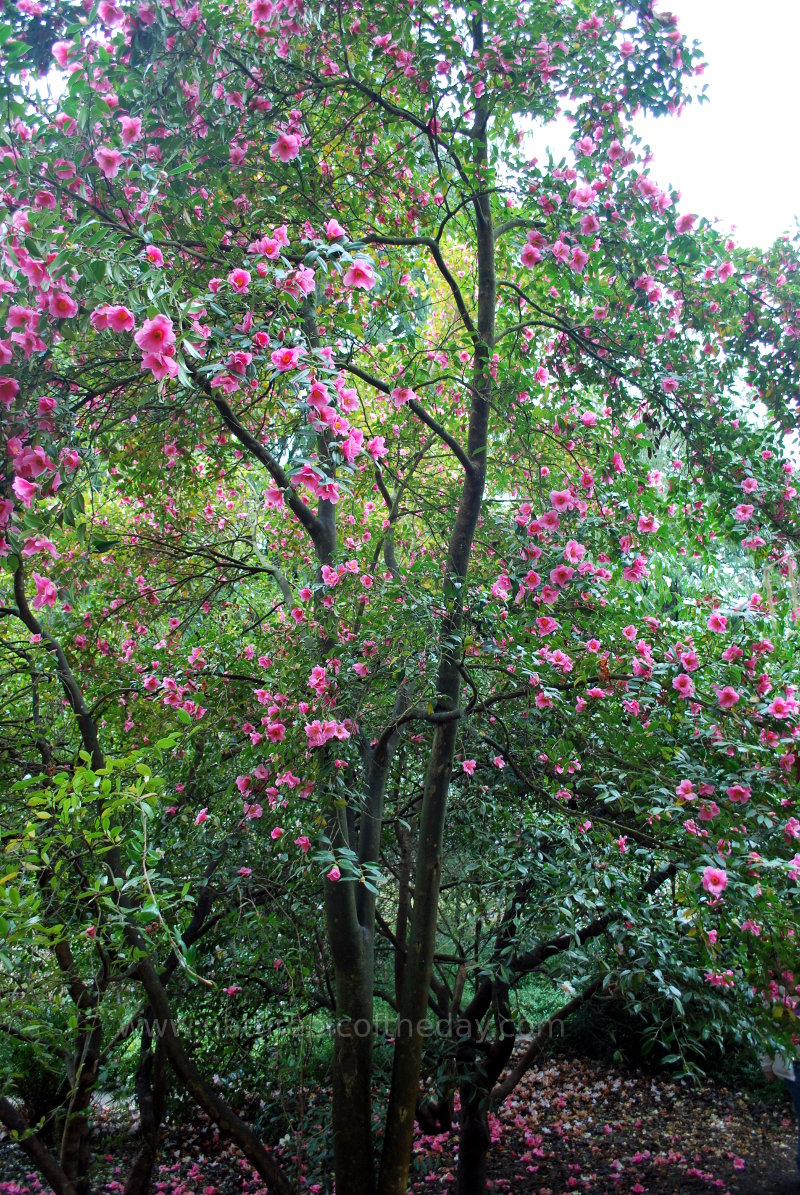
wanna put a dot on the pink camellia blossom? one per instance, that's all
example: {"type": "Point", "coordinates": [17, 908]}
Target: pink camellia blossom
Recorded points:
{"type": "Point", "coordinates": [686, 790]}
{"type": "Point", "coordinates": [743, 513]}
{"type": "Point", "coordinates": [739, 793]}
{"type": "Point", "coordinates": [26, 491]}
{"type": "Point", "coordinates": [239, 280]}
{"type": "Point", "coordinates": [154, 255]}
{"type": "Point", "coordinates": [334, 874]}
{"type": "Point", "coordinates": [60, 305]}
{"type": "Point", "coordinates": [468, 766]}
{"type": "Point", "coordinates": [286, 147]}
{"type": "Point", "coordinates": [561, 500]}
{"type": "Point", "coordinates": [46, 592]}
{"type": "Point", "coordinates": [38, 543]}
{"type": "Point", "coordinates": [749, 485]}
{"type": "Point", "coordinates": [728, 697]}
{"type": "Point", "coordinates": [647, 524]}
{"type": "Point", "coordinates": [131, 129]}
{"type": "Point", "coordinates": [9, 389]}
{"type": "Point", "coordinates": [401, 395]}
{"type": "Point", "coordinates": [578, 260]}
{"type": "Point", "coordinates": [202, 816]}
{"type": "Point", "coordinates": [286, 358]}
{"type": "Point", "coordinates": [61, 51]}
{"type": "Point", "coordinates": [161, 365]}
{"type": "Point", "coordinates": [724, 271]}
{"type": "Point", "coordinates": [530, 256]}
{"type": "Point", "coordinates": [114, 317]}
{"type": "Point", "coordinates": [376, 448]}
{"type": "Point", "coordinates": [779, 707]}
{"type": "Point", "coordinates": [109, 160]}
{"type": "Point", "coordinates": [684, 685]}
{"type": "Point", "coordinates": [717, 622]}
{"type": "Point", "coordinates": [333, 230]}
{"type": "Point", "coordinates": [573, 552]}
{"type": "Point", "coordinates": [31, 462]}
{"type": "Point", "coordinates": [685, 223]}
{"type": "Point", "coordinates": [715, 880]}
{"type": "Point", "coordinates": [360, 274]}
{"type": "Point", "coordinates": [156, 335]}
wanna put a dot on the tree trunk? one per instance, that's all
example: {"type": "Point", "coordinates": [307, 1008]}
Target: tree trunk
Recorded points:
{"type": "Point", "coordinates": [396, 1156]}
{"type": "Point", "coordinates": [351, 952]}
{"type": "Point", "coordinates": [35, 1149]}
{"type": "Point", "coordinates": [150, 1083]}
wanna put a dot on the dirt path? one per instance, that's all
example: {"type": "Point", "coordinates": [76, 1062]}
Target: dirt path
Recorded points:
{"type": "Point", "coordinates": [571, 1126]}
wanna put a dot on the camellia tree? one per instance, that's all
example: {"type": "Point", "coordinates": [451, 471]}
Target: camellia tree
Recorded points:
{"type": "Point", "coordinates": [393, 518]}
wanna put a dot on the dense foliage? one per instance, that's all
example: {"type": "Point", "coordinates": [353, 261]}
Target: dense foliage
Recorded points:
{"type": "Point", "coordinates": [400, 591]}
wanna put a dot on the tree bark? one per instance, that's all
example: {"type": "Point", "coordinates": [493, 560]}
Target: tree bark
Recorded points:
{"type": "Point", "coordinates": [150, 1085]}
{"type": "Point", "coordinates": [396, 1156]}
{"type": "Point", "coordinates": [35, 1149]}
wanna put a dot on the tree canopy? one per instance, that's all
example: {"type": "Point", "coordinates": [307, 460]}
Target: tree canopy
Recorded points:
{"type": "Point", "coordinates": [399, 540]}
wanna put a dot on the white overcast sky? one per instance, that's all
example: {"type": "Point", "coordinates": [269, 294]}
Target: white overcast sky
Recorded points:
{"type": "Point", "coordinates": [737, 157]}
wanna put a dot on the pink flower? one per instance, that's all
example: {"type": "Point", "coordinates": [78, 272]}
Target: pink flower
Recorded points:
{"type": "Point", "coordinates": [286, 147]}
{"type": "Point", "coordinates": [9, 389]}
{"type": "Point", "coordinates": [202, 816]}
{"type": "Point", "coordinates": [360, 274]}
{"type": "Point", "coordinates": [468, 766]}
{"type": "Point", "coordinates": [156, 335]}
{"type": "Point", "coordinates": [109, 160]}
{"type": "Point", "coordinates": [739, 793]}
{"type": "Point", "coordinates": [717, 622]}
{"type": "Point", "coordinates": [685, 223]}
{"type": "Point", "coordinates": [727, 697]}
{"type": "Point", "coordinates": [117, 318]}
{"type": "Point", "coordinates": [561, 500]}
{"type": "Point", "coordinates": [275, 833]}
{"type": "Point", "coordinates": [684, 685]}
{"type": "Point", "coordinates": [46, 592]}
{"type": "Point", "coordinates": [715, 880]}
{"type": "Point", "coordinates": [60, 51]}
{"type": "Point", "coordinates": [61, 306]}
{"type": "Point", "coordinates": [160, 365]}
{"type": "Point", "coordinates": [333, 230]}
{"type": "Point", "coordinates": [647, 524]}
{"type": "Point", "coordinates": [154, 255]}
{"type": "Point", "coordinates": [131, 129]}
{"type": "Point", "coordinates": [286, 358]}
{"type": "Point", "coordinates": [530, 256]}
{"type": "Point", "coordinates": [377, 448]}
{"type": "Point", "coordinates": [743, 513]}
{"type": "Point", "coordinates": [239, 280]}
{"type": "Point", "coordinates": [303, 843]}
{"type": "Point", "coordinates": [779, 707]}
{"type": "Point", "coordinates": [26, 491]}
{"type": "Point", "coordinates": [334, 874]}
{"type": "Point", "coordinates": [686, 790]}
